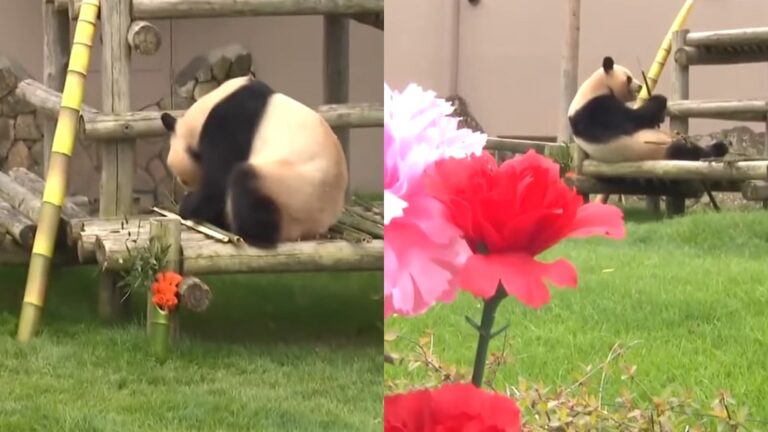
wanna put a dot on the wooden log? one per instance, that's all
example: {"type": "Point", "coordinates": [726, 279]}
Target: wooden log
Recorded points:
{"type": "Point", "coordinates": [737, 110]}
{"type": "Point", "coordinates": [86, 245]}
{"type": "Point", "coordinates": [210, 256]}
{"type": "Point", "coordinates": [17, 225]}
{"type": "Point", "coordinates": [336, 72]}
{"type": "Point", "coordinates": [194, 294]}
{"type": "Point", "coordinates": [28, 204]}
{"type": "Point", "coordinates": [728, 38]}
{"type": "Point", "coordinates": [670, 169]}
{"type": "Point", "coordinates": [45, 99]}
{"type": "Point", "coordinates": [74, 207]}
{"type": "Point", "coordinates": [589, 185]}
{"type": "Point", "coordinates": [675, 205]}
{"type": "Point", "coordinates": [569, 67]}
{"type": "Point", "coordinates": [691, 56]}
{"type": "Point", "coordinates": [755, 190]}
{"type": "Point", "coordinates": [375, 20]}
{"type": "Point", "coordinates": [163, 9]}
{"type": "Point", "coordinates": [518, 145]}
{"type": "Point", "coordinates": [55, 60]}
{"type": "Point", "coordinates": [144, 38]}
{"type": "Point", "coordinates": [146, 124]}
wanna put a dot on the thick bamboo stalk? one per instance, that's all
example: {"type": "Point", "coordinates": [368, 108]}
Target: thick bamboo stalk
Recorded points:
{"type": "Point", "coordinates": [336, 72]}
{"type": "Point", "coordinates": [146, 124]}
{"type": "Point", "coordinates": [569, 67]}
{"type": "Point", "coordinates": [56, 184]}
{"type": "Point", "coordinates": [691, 56]}
{"type": "Point", "coordinates": [741, 110]}
{"type": "Point", "coordinates": [728, 38]}
{"type": "Point", "coordinates": [210, 256]}
{"type": "Point", "coordinates": [55, 54]}
{"type": "Point", "coordinates": [162, 326]}
{"type": "Point", "coordinates": [144, 38]}
{"type": "Point", "coordinates": [46, 100]}
{"type": "Point", "coordinates": [163, 9]}
{"type": "Point", "coordinates": [669, 169]}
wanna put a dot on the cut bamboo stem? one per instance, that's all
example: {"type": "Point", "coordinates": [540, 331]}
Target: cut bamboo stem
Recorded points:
{"type": "Point", "coordinates": [163, 326]}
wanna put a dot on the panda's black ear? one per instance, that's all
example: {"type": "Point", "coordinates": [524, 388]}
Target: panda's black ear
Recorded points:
{"type": "Point", "coordinates": [607, 64]}
{"type": "Point", "coordinates": [169, 121]}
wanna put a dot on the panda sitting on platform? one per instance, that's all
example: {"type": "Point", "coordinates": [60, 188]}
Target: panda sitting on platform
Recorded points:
{"type": "Point", "coordinates": [258, 164]}
{"type": "Point", "coordinates": [610, 131]}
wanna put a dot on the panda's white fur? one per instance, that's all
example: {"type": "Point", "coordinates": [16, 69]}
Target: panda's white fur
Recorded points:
{"type": "Point", "coordinates": [258, 163]}
{"type": "Point", "coordinates": [610, 131]}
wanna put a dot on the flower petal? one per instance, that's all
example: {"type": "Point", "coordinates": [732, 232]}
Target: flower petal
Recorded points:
{"type": "Point", "coordinates": [598, 219]}
{"type": "Point", "coordinates": [522, 276]}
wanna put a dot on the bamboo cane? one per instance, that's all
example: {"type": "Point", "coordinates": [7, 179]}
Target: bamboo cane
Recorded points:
{"type": "Point", "coordinates": [658, 64]}
{"type": "Point", "coordinates": [58, 170]}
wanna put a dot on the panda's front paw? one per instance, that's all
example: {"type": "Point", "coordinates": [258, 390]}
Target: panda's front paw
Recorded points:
{"type": "Point", "coordinates": [654, 110]}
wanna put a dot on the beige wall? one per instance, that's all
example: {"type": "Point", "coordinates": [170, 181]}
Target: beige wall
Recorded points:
{"type": "Point", "coordinates": [503, 57]}
{"type": "Point", "coordinates": [287, 52]}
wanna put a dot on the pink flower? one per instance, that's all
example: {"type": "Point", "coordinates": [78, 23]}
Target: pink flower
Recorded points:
{"type": "Point", "coordinates": [423, 249]}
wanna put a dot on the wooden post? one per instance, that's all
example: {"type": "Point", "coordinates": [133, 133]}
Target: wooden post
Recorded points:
{"type": "Point", "coordinates": [570, 69]}
{"type": "Point", "coordinates": [167, 230]}
{"type": "Point", "coordinates": [336, 71]}
{"type": "Point", "coordinates": [55, 59]}
{"type": "Point", "coordinates": [117, 157]}
{"type": "Point", "coordinates": [680, 91]}
{"type": "Point", "coordinates": [765, 152]}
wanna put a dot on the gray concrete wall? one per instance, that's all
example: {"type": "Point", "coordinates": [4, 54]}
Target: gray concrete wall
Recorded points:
{"type": "Point", "coordinates": [503, 56]}
{"type": "Point", "coordinates": [287, 52]}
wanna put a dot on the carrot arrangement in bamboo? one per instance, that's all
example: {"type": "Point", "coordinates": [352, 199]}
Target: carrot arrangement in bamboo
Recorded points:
{"type": "Point", "coordinates": [658, 64]}
{"type": "Point", "coordinates": [58, 171]}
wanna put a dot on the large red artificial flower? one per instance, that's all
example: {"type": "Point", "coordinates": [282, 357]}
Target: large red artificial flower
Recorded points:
{"type": "Point", "coordinates": [511, 213]}
{"type": "Point", "coordinates": [450, 408]}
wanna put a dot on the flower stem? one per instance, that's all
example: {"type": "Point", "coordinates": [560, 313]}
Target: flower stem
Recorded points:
{"type": "Point", "coordinates": [485, 334]}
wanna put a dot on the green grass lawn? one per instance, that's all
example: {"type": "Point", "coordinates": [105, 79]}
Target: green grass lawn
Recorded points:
{"type": "Point", "coordinates": [273, 352]}
{"type": "Point", "coordinates": [692, 292]}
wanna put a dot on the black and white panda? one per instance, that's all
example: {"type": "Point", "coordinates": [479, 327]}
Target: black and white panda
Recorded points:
{"type": "Point", "coordinates": [610, 131]}
{"type": "Point", "coordinates": [257, 163]}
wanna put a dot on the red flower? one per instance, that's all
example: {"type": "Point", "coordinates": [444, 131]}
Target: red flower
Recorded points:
{"type": "Point", "coordinates": [511, 213]}
{"type": "Point", "coordinates": [165, 289]}
{"type": "Point", "coordinates": [450, 408]}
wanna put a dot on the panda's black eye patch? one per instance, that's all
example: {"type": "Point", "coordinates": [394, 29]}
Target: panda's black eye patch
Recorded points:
{"type": "Point", "coordinates": [629, 80]}
{"type": "Point", "coordinates": [194, 154]}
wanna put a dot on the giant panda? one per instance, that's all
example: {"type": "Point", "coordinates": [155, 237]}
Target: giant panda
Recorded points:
{"type": "Point", "coordinates": [610, 131]}
{"type": "Point", "coordinates": [257, 163]}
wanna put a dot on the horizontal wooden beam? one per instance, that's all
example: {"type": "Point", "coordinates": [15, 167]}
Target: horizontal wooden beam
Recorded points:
{"type": "Point", "coordinates": [679, 170]}
{"type": "Point", "coordinates": [206, 256]}
{"type": "Point", "coordinates": [46, 100]}
{"type": "Point", "coordinates": [162, 9]}
{"type": "Point", "coordinates": [621, 186]}
{"type": "Point", "coordinates": [144, 124]}
{"type": "Point", "coordinates": [727, 38]}
{"type": "Point", "coordinates": [755, 190]}
{"type": "Point", "coordinates": [691, 56]}
{"type": "Point", "coordinates": [737, 110]}
{"type": "Point", "coordinates": [518, 145]}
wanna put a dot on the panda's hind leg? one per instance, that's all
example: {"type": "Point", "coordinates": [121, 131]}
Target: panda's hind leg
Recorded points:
{"type": "Point", "coordinates": [681, 150]}
{"type": "Point", "coordinates": [253, 214]}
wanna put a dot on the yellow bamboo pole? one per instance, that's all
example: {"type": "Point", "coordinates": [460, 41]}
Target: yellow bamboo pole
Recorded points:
{"type": "Point", "coordinates": [658, 63]}
{"type": "Point", "coordinates": [58, 171]}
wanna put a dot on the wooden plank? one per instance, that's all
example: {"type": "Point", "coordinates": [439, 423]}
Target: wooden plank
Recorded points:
{"type": "Point", "coordinates": [671, 169]}
{"type": "Point", "coordinates": [692, 56]}
{"type": "Point", "coordinates": [336, 73]}
{"type": "Point", "coordinates": [518, 145]}
{"type": "Point", "coordinates": [727, 38]}
{"type": "Point", "coordinates": [751, 110]}
{"type": "Point", "coordinates": [146, 124]}
{"type": "Point", "coordinates": [163, 9]}
{"type": "Point", "coordinates": [55, 60]}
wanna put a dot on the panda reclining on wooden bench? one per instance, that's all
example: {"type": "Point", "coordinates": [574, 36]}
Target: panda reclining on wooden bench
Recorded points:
{"type": "Point", "coordinates": [257, 163]}
{"type": "Point", "coordinates": [610, 131]}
